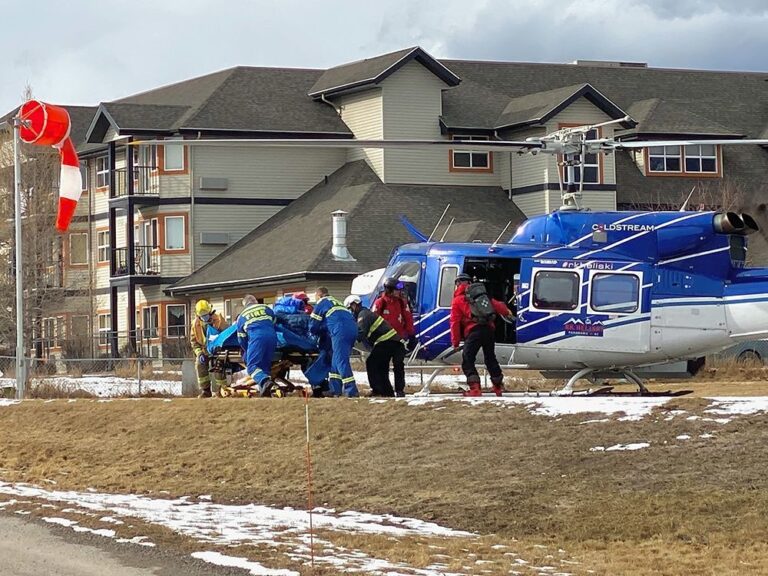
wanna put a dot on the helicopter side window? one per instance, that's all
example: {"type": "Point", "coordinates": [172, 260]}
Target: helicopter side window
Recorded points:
{"type": "Point", "coordinates": [448, 276]}
{"type": "Point", "coordinates": [615, 293]}
{"type": "Point", "coordinates": [556, 290]}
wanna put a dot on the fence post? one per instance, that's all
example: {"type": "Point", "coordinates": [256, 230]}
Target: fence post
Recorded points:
{"type": "Point", "coordinates": [138, 368]}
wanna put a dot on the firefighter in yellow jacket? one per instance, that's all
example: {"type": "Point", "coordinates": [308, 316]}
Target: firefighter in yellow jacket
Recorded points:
{"type": "Point", "coordinates": [205, 316]}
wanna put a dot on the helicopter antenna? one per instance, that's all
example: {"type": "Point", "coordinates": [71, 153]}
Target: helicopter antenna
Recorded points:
{"type": "Point", "coordinates": [438, 223]}
{"type": "Point", "coordinates": [446, 230]}
{"type": "Point", "coordinates": [500, 235]}
{"type": "Point", "coordinates": [685, 204]}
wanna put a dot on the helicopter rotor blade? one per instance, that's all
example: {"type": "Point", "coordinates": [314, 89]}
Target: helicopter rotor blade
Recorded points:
{"type": "Point", "coordinates": [474, 145]}
{"type": "Point", "coordinates": [650, 143]}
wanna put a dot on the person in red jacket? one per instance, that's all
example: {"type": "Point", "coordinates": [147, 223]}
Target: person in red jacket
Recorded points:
{"type": "Point", "coordinates": [393, 307]}
{"type": "Point", "coordinates": [476, 336]}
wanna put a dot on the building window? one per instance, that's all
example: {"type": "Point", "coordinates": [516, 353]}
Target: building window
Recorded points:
{"type": "Point", "coordinates": [701, 158]}
{"type": "Point", "coordinates": [468, 159]}
{"type": "Point", "coordinates": [60, 332]}
{"type": "Point", "coordinates": [174, 233]}
{"type": "Point", "coordinates": [173, 157]}
{"type": "Point", "coordinates": [102, 241]}
{"type": "Point", "coordinates": [84, 175]}
{"type": "Point", "coordinates": [591, 164]}
{"type": "Point", "coordinates": [149, 316]}
{"type": "Point", "coordinates": [228, 311]}
{"type": "Point", "coordinates": [78, 249]}
{"type": "Point", "coordinates": [664, 159]}
{"type": "Point", "coordinates": [102, 171]}
{"type": "Point", "coordinates": [615, 293]}
{"type": "Point", "coordinates": [105, 327]}
{"type": "Point", "coordinates": [176, 320]}
{"type": "Point", "coordinates": [556, 290]}
{"type": "Point", "coordinates": [49, 329]}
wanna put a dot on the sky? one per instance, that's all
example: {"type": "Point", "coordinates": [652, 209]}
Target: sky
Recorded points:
{"type": "Point", "coordinates": [90, 51]}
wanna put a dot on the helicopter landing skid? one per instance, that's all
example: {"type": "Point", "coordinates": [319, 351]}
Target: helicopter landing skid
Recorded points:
{"type": "Point", "coordinates": [628, 374]}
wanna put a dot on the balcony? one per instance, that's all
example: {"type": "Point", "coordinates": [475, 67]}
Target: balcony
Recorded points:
{"type": "Point", "coordinates": [145, 258]}
{"type": "Point", "coordinates": [146, 183]}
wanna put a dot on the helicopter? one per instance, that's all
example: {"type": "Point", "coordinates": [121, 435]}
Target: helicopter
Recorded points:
{"type": "Point", "coordinates": [596, 294]}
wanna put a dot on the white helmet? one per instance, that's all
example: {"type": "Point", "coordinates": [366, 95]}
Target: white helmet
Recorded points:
{"type": "Point", "coordinates": [352, 299]}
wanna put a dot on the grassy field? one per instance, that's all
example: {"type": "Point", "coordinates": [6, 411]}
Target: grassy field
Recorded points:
{"type": "Point", "coordinates": [528, 483]}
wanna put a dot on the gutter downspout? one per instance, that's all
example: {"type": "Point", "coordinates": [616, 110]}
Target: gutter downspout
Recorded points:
{"type": "Point", "coordinates": [192, 206]}
{"type": "Point", "coordinates": [331, 104]}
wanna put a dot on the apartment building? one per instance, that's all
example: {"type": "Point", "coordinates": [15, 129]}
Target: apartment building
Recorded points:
{"type": "Point", "coordinates": [164, 223]}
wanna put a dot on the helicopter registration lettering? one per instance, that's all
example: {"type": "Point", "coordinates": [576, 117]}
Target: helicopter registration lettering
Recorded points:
{"type": "Point", "coordinates": [589, 265]}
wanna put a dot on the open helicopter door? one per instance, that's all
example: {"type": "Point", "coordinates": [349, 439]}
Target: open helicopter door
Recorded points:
{"type": "Point", "coordinates": [586, 307]}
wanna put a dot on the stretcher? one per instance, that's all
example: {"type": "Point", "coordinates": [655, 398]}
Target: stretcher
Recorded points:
{"type": "Point", "coordinates": [295, 348]}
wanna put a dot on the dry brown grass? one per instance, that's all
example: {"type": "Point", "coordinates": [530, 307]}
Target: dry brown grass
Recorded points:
{"type": "Point", "coordinates": [679, 507]}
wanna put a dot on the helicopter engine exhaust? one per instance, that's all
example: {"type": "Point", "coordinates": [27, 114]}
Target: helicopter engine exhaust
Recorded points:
{"type": "Point", "coordinates": [733, 223]}
{"type": "Point", "coordinates": [728, 223]}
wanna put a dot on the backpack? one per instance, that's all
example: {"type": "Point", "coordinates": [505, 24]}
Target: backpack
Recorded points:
{"type": "Point", "coordinates": [480, 304]}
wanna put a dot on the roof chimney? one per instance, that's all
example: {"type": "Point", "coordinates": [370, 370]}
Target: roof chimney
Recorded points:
{"type": "Point", "coordinates": [339, 248]}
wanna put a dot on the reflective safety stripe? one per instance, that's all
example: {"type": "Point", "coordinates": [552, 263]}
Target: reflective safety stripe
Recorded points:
{"type": "Point", "coordinates": [204, 379]}
{"type": "Point", "coordinates": [334, 375]}
{"type": "Point", "coordinates": [349, 379]}
{"type": "Point", "coordinates": [386, 336]}
{"type": "Point", "coordinates": [257, 319]}
{"type": "Point", "coordinates": [315, 316]}
{"type": "Point", "coordinates": [241, 334]}
{"type": "Point", "coordinates": [336, 309]}
{"type": "Point", "coordinates": [258, 375]}
{"type": "Point", "coordinates": [376, 323]}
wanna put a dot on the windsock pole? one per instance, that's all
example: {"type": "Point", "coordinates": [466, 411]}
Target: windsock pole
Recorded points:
{"type": "Point", "coordinates": [20, 363]}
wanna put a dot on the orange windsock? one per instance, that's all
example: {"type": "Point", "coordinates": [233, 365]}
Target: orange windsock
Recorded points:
{"type": "Point", "coordinates": [49, 125]}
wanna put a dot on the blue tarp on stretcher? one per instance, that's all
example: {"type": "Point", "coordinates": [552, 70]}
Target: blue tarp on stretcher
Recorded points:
{"type": "Point", "coordinates": [288, 340]}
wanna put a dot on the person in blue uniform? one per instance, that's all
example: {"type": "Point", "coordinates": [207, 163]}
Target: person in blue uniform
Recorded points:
{"type": "Point", "coordinates": [331, 320]}
{"type": "Point", "coordinates": [258, 339]}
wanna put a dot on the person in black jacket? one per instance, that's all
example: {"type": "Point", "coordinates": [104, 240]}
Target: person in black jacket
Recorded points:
{"type": "Point", "coordinates": [378, 336]}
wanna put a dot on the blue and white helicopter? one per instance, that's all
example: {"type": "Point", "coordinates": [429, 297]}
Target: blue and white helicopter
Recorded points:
{"type": "Point", "coordinates": [597, 294]}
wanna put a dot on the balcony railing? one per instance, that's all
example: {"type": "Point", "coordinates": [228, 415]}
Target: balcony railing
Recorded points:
{"type": "Point", "coordinates": [146, 182]}
{"type": "Point", "coordinates": [145, 258]}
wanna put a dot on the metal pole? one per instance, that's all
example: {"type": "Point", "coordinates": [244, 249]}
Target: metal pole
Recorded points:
{"type": "Point", "coordinates": [20, 363]}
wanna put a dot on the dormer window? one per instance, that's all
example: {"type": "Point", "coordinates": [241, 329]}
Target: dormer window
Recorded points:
{"type": "Point", "coordinates": [470, 160]}
{"type": "Point", "coordinates": [693, 160]}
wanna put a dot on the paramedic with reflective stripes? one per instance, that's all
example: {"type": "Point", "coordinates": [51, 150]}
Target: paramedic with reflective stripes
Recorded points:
{"type": "Point", "coordinates": [258, 339]}
{"type": "Point", "coordinates": [393, 307]}
{"type": "Point", "coordinates": [330, 318]}
{"type": "Point", "coordinates": [383, 341]}
{"type": "Point", "coordinates": [205, 316]}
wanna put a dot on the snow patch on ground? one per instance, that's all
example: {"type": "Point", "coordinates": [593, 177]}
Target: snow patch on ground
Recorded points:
{"type": "Point", "coordinates": [738, 405]}
{"type": "Point", "coordinates": [621, 447]}
{"type": "Point", "coordinates": [634, 408]}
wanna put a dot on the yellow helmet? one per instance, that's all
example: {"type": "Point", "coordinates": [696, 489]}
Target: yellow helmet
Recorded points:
{"type": "Point", "coordinates": [203, 307]}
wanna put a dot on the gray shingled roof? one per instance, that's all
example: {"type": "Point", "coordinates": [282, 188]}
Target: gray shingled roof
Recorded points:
{"type": "Point", "coordinates": [298, 238]}
{"type": "Point", "coordinates": [736, 100]}
{"type": "Point", "coordinates": [540, 106]}
{"type": "Point", "coordinates": [355, 75]}
{"type": "Point", "coordinates": [241, 99]}
{"type": "Point", "coordinates": [656, 116]}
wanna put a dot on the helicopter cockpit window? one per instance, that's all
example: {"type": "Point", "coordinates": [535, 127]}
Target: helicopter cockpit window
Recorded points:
{"type": "Point", "coordinates": [447, 286]}
{"type": "Point", "coordinates": [556, 290]}
{"type": "Point", "coordinates": [408, 273]}
{"type": "Point", "coordinates": [615, 293]}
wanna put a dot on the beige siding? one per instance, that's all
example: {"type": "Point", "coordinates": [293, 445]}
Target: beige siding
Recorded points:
{"type": "Point", "coordinates": [412, 108]}
{"type": "Point", "coordinates": [176, 265]}
{"type": "Point", "coordinates": [599, 200]}
{"type": "Point", "coordinates": [363, 113]}
{"type": "Point", "coordinates": [174, 185]}
{"type": "Point", "coordinates": [236, 221]}
{"type": "Point", "coordinates": [264, 172]}
{"type": "Point", "coordinates": [532, 203]}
